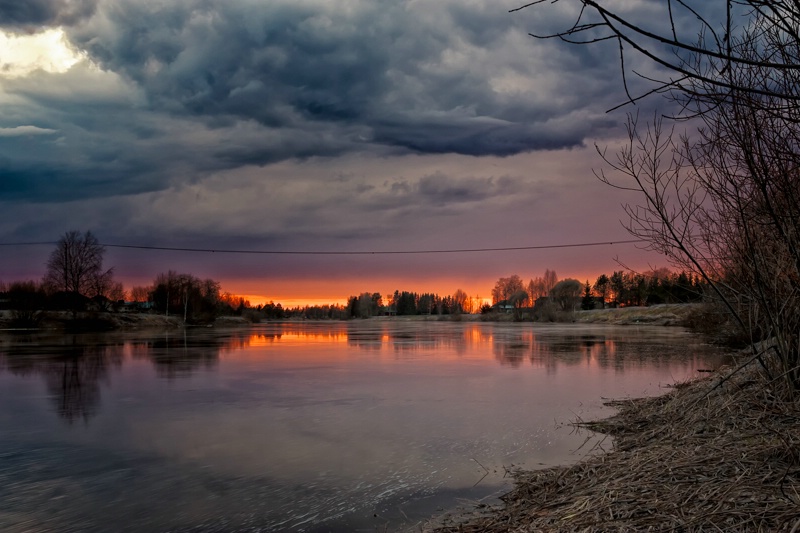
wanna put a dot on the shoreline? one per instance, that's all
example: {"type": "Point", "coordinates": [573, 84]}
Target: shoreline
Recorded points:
{"type": "Point", "coordinates": [98, 321]}
{"type": "Point", "coordinates": [677, 315]}
{"type": "Point", "coordinates": [702, 456]}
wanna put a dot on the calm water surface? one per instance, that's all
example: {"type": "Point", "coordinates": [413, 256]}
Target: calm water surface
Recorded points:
{"type": "Point", "coordinates": [357, 426]}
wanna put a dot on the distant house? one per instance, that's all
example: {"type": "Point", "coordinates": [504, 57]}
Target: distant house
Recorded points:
{"type": "Point", "coordinates": [137, 307]}
{"type": "Point", "coordinates": [597, 303]}
{"type": "Point", "coordinates": [503, 306]}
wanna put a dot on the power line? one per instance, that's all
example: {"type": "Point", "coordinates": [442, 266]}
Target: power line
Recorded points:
{"type": "Point", "coordinates": [362, 252]}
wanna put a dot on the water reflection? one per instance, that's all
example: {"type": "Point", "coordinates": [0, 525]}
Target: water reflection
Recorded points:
{"type": "Point", "coordinates": [179, 356]}
{"type": "Point", "coordinates": [545, 351]}
{"type": "Point", "coordinates": [74, 382]}
{"type": "Point", "coordinates": [301, 426]}
{"type": "Point", "coordinates": [514, 345]}
{"type": "Point", "coordinates": [75, 365]}
{"type": "Point", "coordinates": [72, 370]}
{"type": "Point", "coordinates": [512, 354]}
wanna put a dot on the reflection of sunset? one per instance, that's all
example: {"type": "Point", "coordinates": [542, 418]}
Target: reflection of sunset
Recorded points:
{"type": "Point", "coordinates": [385, 336]}
{"type": "Point", "coordinates": [257, 340]}
{"type": "Point", "coordinates": [388, 340]}
{"type": "Point", "coordinates": [549, 348]}
{"type": "Point", "coordinates": [474, 334]}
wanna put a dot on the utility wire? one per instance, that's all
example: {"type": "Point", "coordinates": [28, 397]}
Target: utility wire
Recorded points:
{"type": "Point", "coordinates": [322, 252]}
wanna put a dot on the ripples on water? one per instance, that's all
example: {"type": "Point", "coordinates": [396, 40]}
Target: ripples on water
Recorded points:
{"type": "Point", "coordinates": [304, 426]}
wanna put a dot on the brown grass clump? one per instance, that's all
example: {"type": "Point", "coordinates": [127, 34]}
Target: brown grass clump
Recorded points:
{"type": "Point", "coordinates": [704, 457]}
{"type": "Point", "coordinates": [654, 315]}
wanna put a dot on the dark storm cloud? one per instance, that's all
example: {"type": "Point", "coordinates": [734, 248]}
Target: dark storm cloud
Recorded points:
{"type": "Point", "coordinates": [385, 66]}
{"type": "Point", "coordinates": [443, 190]}
{"type": "Point", "coordinates": [50, 184]}
{"type": "Point", "coordinates": [379, 124]}
{"type": "Point", "coordinates": [191, 87]}
{"type": "Point", "coordinates": [270, 62]}
{"type": "Point", "coordinates": [472, 136]}
{"type": "Point", "coordinates": [24, 14]}
{"type": "Point", "coordinates": [80, 145]}
{"type": "Point", "coordinates": [438, 189]}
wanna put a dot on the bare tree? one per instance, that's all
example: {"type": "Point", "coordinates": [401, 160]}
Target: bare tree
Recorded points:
{"type": "Point", "coordinates": [141, 294]}
{"type": "Point", "coordinates": [602, 287]}
{"type": "Point", "coordinates": [566, 293]}
{"type": "Point", "coordinates": [505, 288]}
{"type": "Point", "coordinates": [549, 280]}
{"type": "Point", "coordinates": [76, 265]}
{"type": "Point", "coordinates": [541, 286]}
{"type": "Point", "coordinates": [461, 303]}
{"type": "Point", "coordinates": [519, 300]}
{"type": "Point", "coordinates": [722, 199]}
{"type": "Point", "coordinates": [697, 41]}
{"type": "Point", "coordinates": [727, 207]}
{"type": "Point", "coordinates": [366, 305]}
{"type": "Point", "coordinates": [183, 294]}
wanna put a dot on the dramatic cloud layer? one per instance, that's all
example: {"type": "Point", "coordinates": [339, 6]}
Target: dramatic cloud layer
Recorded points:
{"type": "Point", "coordinates": [27, 14]}
{"type": "Point", "coordinates": [340, 125]}
{"type": "Point", "coordinates": [226, 84]}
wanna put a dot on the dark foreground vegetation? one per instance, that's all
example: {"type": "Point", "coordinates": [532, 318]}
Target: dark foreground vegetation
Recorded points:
{"type": "Point", "coordinates": [711, 455]}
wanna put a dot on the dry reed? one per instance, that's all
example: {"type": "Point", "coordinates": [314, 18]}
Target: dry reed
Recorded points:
{"type": "Point", "coordinates": [704, 457]}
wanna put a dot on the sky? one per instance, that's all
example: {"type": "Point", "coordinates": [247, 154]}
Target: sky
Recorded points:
{"type": "Point", "coordinates": [313, 125]}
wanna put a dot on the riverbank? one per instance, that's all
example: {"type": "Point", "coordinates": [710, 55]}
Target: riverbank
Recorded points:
{"type": "Point", "coordinates": [705, 456]}
{"type": "Point", "coordinates": [654, 315]}
{"type": "Point", "coordinates": [100, 321]}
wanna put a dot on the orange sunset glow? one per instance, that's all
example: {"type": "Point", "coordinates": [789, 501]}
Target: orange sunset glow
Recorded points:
{"type": "Point", "coordinates": [304, 292]}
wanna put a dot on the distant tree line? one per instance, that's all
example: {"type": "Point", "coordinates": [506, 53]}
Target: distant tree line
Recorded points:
{"type": "Point", "coordinates": [406, 303]}
{"type": "Point", "coordinates": [76, 280]}
{"type": "Point", "coordinates": [544, 296]}
{"type": "Point", "coordinates": [658, 286]}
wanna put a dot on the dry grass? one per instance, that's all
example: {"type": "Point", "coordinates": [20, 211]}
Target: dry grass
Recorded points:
{"type": "Point", "coordinates": [700, 458]}
{"type": "Point", "coordinates": [661, 315]}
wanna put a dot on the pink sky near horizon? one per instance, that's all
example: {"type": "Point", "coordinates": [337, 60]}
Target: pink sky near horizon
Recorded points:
{"type": "Point", "coordinates": [319, 280]}
{"type": "Point", "coordinates": [581, 264]}
{"type": "Point", "coordinates": [319, 293]}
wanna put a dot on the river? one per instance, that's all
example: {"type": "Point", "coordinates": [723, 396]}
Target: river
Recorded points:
{"type": "Point", "coordinates": [372, 425]}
